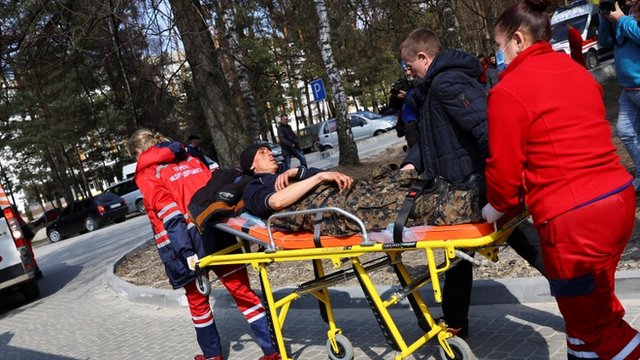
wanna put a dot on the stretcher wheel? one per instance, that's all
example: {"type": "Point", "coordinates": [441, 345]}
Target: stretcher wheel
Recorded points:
{"type": "Point", "coordinates": [345, 349]}
{"type": "Point", "coordinates": [203, 285]}
{"type": "Point", "coordinates": [460, 348]}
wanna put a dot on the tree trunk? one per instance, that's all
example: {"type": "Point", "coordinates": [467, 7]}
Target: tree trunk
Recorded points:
{"type": "Point", "coordinates": [227, 130]}
{"type": "Point", "coordinates": [450, 25]}
{"type": "Point", "coordinates": [243, 75]}
{"type": "Point", "coordinates": [85, 183]}
{"type": "Point", "coordinates": [77, 186]}
{"type": "Point", "coordinates": [55, 158]}
{"type": "Point", "coordinates": [348, 148]}
{"type": "Point", "coordinates": [309, 109]}
{"type": "Point", "coordinates": [132, 118]}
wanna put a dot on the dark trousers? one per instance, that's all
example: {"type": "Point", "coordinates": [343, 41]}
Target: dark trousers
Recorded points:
{"type": "Point", "coordinates": [286, 153]}
{"type": "Point", "coordinates": [456, 292]}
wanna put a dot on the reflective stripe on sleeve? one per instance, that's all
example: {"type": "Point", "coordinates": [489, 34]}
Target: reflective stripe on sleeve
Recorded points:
{"type": "Point", "coordinates": [163, 244]}
{"type": "Point", "coordinates": [171, 216]}
{"type": "Point", "coordinates": [166, 208]}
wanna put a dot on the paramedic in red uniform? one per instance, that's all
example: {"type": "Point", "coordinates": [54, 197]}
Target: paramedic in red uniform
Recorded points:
{"type": "Point", "coordinates": [575, 44]}
{"type": "Point", "coordinates": [168, 178]}
{"type": "Point", "coordinates": [549, 141]}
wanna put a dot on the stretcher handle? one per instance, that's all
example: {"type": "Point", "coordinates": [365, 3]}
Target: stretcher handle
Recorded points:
{"type": "Point", "coordinates": [350, 216]}
{"type": "Point", "coordinates": [464, 256]}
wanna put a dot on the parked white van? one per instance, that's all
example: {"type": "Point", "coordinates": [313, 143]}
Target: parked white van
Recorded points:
{"type": "Point", "coordinates": [583, 15]}
{"type": "Point", "coordinates": [129, 170]}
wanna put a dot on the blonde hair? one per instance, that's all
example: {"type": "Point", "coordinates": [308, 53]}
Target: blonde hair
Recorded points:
{"type": "Point", "coordinates": [420, 40]}
{"type": "Point", "coordinates": [142, 140]}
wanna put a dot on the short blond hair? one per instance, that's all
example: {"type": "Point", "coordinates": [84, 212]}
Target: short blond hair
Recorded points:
{"type": "Point", "coordinates": [143, 139]}
{"type": "Point", "coordinates": [420, 40]}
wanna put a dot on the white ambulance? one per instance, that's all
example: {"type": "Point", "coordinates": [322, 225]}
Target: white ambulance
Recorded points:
{"type": "Point", "coordinates": [583, 15]}
{"type": "Point", "coordinates": [18, 270]}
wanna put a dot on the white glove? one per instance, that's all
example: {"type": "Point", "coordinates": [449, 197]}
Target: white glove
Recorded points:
{"type": "Point", "coordinates": [191, 262]}
{"type": "Point", "coordinates": [490, 214]}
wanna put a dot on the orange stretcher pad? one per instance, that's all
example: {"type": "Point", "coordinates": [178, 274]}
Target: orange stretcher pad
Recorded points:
{"type": "Point", "coordinates": [290, 240]}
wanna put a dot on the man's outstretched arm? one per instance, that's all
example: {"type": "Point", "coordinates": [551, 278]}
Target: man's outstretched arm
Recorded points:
{"type": "Point", "coordinates": [295, 191]}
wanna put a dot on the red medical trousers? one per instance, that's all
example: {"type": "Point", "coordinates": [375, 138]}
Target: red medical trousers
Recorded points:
{"type": "Point", "coordinates": [581, 249]}
{"type": "Point", "coordinates": [236, 280]}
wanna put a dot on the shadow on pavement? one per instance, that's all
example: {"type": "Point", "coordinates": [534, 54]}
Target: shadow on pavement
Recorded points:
{"type": "Point", "coordinates": [54, 279]}
{"type": "Point", "coordinates": [11, 352]}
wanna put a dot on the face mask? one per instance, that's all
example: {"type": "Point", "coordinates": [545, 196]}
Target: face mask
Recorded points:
{"type": "Point", "coordinates": [500, 58]}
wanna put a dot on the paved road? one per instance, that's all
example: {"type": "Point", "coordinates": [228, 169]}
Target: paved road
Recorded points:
{"type": "Point", "coordinates": [367, 147]}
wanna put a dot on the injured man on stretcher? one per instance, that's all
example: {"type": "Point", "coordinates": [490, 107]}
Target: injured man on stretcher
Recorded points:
{"type": "Point", "coordinates": [377, 200]}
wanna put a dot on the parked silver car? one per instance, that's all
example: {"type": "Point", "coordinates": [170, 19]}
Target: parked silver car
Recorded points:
{"type": "Point", "coordinates": [361, 127]}
{"type": "Point", "coordinates": [393, 119]}
{"type": "Point", "coordinates": [129, 191]}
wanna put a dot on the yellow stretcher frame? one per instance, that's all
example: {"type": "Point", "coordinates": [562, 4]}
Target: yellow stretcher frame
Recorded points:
{"type": "Point", "coordinates": [338, 346]}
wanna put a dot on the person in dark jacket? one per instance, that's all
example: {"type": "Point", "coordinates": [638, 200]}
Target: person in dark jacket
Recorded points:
{"type": "Point", "coordinates": [401, 100]}
{"type": "Point", "coordinates": [492, 72]}
{"type": "Point", "coordinates": [289, 143]}
{"type": "Point", "coordinates": [193, 148]}
{"type": "Point", "coordinates": [453, 145]}
{"type": "Point", "coordinates": [409, 112]}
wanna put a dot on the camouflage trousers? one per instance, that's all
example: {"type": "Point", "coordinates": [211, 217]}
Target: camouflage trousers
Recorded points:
{"type": "Point", "coordinates": [378, 199]}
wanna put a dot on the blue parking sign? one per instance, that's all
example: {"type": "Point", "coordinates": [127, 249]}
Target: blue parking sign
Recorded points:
{"type": "Point", "coordinates": [317, 87]}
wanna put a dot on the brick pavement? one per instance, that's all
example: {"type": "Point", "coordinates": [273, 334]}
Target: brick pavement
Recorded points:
{"type": "Point", "coordinates": [101, 325]}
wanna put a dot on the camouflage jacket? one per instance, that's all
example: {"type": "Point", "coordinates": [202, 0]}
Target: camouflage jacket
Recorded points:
{"type": "Point", "coordinates": [378, 199]}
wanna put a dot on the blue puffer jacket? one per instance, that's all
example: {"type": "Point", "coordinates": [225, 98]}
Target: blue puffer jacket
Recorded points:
{"type": "Point", "coordinates": [626, 48]}
{"type": "Point", "coordinates": [452, 123]}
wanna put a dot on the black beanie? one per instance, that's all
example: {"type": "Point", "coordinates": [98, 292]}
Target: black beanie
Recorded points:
{"type": "Point", "coordinates": [247, 156]}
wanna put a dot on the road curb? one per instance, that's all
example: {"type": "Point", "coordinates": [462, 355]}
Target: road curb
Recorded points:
{"type": "Point", "coordinates": [485, 292]}
{"type": "Point", "coordinates": [142, 294]}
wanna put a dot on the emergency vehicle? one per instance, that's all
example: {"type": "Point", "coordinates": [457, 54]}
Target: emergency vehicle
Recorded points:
{"type": "Point", "coordinates": [583, 15]}
{"type": "Point", "coordinates": [18, 269]}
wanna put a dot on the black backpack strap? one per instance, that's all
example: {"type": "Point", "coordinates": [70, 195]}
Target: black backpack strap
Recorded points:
{"type": "Point", "coordinates": [407, 206]}
{"type": "Point", "coordinates": [317, 224]}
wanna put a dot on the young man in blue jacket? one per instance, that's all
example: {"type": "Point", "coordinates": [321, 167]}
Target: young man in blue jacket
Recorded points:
{"type": "Point", "coordinates": [453, 145]}
{"type": "Point", "coordinates": [623, 33]}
